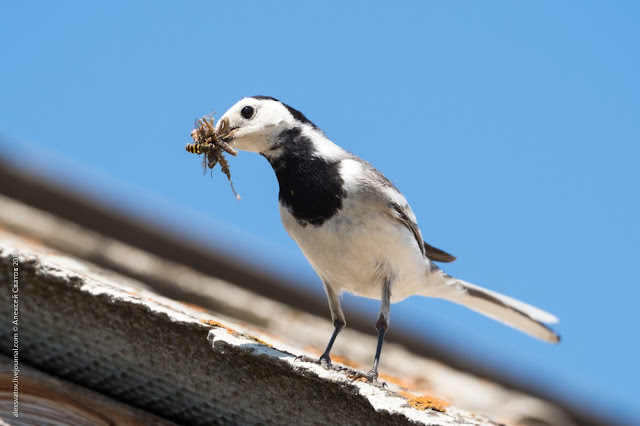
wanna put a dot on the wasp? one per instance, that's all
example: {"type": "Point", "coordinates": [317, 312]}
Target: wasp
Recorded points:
{"type": "Point", "coordinates": [211, 154]}
{"type": "Point", "coordinates": [199, 148]}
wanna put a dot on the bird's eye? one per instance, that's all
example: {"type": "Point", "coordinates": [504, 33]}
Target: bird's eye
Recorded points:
{"type": "Point", "coordinates": [247, 112]}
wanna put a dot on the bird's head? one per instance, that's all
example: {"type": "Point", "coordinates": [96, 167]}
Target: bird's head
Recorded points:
{"type": "Point", "coordinates": [255, 123]}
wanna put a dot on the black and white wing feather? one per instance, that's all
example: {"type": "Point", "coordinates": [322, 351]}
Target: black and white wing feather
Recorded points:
{"type": "Point", "coordinates": [400, 210]}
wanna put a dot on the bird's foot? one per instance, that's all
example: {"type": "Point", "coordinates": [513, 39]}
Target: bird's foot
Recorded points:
{"type": "Point", "coordinates": [324, 361]}
{"type": "Point", "coordinates": [371, 377]}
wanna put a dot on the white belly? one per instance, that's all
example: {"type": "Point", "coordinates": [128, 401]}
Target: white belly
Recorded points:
{"type": "Point", "coordinates": [350, 256]}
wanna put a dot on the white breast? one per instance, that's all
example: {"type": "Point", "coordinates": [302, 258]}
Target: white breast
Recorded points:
{"type": "Point", "coordinates": [360, 246]}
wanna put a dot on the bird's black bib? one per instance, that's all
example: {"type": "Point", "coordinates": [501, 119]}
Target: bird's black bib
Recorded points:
{"type": "Point", "coordinates": [310, 187]}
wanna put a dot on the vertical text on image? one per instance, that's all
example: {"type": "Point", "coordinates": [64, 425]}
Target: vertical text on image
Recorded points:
{"type": "Point", "coordinates": [15, 328]}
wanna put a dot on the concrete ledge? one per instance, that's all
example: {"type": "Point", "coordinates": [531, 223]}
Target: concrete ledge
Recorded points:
{"type": "Point", "coordinates": [113, 335]}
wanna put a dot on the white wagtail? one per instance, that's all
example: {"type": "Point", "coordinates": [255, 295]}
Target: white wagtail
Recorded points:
{"type": "Point", "coordinates": [354, 227]}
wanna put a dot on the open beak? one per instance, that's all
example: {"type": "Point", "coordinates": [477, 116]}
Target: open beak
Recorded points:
{"type": "Point", "coordinates": [224, 132]}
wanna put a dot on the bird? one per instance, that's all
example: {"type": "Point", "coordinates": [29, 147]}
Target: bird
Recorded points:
{"type": "Point", "coordinates": [354, 226]}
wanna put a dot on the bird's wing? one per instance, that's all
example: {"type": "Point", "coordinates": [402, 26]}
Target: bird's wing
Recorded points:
{"type": "Point", "coordinates": [399, 209]}
{"type": "Point", "coordinates": [403, 213]}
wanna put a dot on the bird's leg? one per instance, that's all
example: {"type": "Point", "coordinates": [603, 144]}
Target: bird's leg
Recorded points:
{"type": "Point", "coordinates": [338, 322]}
{"type": "Point", "coordinates": [382, 325]}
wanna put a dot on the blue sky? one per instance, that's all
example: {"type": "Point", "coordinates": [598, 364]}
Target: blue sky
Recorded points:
{"type": "Point", "coordinates": [513, 129]}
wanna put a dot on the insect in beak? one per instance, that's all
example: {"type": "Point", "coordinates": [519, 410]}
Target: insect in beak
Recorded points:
{"type": "Point", "coordinates": [224, 132]}
{"type": "Point", "coordinates": [208, 143]}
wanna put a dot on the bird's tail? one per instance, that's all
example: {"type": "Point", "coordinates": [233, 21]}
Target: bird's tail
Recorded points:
{"type": "Point", "coordinates": [505, 309]}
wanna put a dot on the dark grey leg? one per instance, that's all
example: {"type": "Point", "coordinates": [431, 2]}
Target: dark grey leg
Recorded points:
{"type": "Point", "coordinates": [382, 326]}
{"type": "Point", "coordinates": [338, 322]}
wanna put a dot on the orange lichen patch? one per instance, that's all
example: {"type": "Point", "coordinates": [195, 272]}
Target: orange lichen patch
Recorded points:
{"type": "Point", "coordinates": [426, 401]}
{"type": "Point", "coordinates": [193, 306]}
{"type": "Point", "coordinates": [261, 341]}
{"type": "Point", "coordinates": [217, 324]}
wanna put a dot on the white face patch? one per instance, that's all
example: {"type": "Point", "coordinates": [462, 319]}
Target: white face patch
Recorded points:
{"type": "Point", "coordinates": [267, 113]}
{"type": "Point", "coordinates": [258, 132]}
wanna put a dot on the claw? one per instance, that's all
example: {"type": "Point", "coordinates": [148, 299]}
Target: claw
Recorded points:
{"type": "Point", "coordinates": [371, 377]}
{"type": "Point", "coordinates": [328, 365]}
{"type": "Point", "coordinates": [325, 360]}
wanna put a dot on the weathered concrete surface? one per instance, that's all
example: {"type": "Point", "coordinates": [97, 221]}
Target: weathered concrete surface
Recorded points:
{"type": "Point", "coordinates": [111, 334]}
